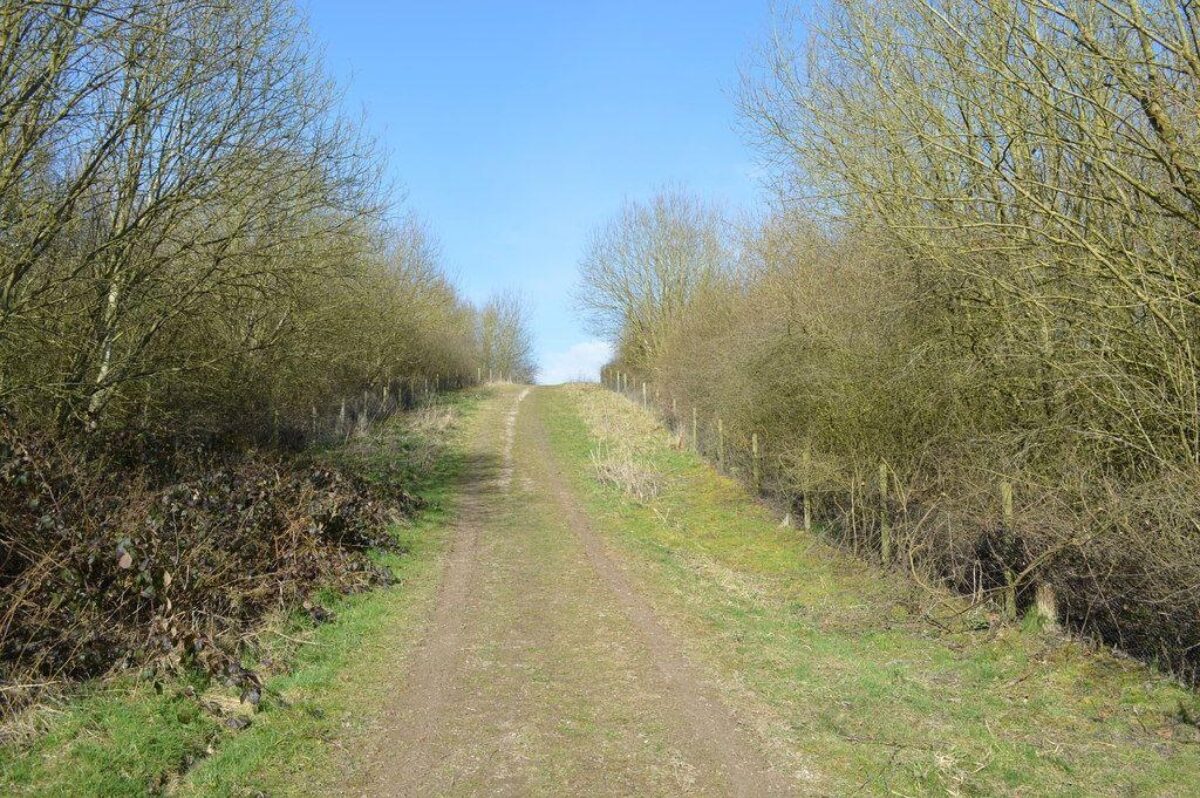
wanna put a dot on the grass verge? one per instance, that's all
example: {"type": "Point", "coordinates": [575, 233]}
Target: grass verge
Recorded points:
{"type": "Point", "coordinates": [886, 688]}
{"type": "Point", "coordinates": [129, 736]}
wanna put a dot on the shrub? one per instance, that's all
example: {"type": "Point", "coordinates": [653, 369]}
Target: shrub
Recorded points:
{"type": "Point", "coordinates": [104, 568]}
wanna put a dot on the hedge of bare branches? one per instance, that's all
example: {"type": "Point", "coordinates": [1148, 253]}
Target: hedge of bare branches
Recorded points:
{"type": "Point", "coordinates": [192, 233]}
{"type": "Point", "coordinates": [981, 275]}
{"type": "Point", "coordinates": [197, 263]}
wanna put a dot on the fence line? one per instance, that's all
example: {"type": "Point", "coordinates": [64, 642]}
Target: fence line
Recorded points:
{"type": "Point", "coordinates": [867, 526]}
{"type": "Point", "coordinates": [358, 412]}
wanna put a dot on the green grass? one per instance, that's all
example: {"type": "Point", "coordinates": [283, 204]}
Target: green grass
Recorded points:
{"type": "Point", "coordinates": [879, 699]}
{"type": "Point", "coordinates": [838, 653]}
{"type": "Point", "coordinates": [118, 740]}
{"type": "Point", "coordinates": [125, 737]}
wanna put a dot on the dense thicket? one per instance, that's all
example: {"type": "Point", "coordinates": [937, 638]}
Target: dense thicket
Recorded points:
{"type": "Point", "coordinates": [196, 262]}
{"type": "Point", "coordinates": [982, 274]}
{"type": "Point", "coordinates": [191, 233]}
{"type": "Point", "coordinates": [103, 568]}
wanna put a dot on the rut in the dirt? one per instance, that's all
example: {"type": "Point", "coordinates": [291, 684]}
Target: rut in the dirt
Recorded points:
{"type": "Point", "coordinates": [543, 670]}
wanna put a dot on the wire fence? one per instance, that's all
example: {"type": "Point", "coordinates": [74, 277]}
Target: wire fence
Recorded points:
{"type": "Point", "coordinates": [865, 510]}
{"type": "Point", "coordinates": [357, 413]}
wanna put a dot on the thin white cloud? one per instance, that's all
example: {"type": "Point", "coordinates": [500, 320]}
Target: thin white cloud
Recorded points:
{"type": "Point", "coordinates": [580, 362]}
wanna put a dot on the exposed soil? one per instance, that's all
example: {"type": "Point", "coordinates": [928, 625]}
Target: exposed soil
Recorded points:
{"type": "Point", "coordinates": [543, 670]}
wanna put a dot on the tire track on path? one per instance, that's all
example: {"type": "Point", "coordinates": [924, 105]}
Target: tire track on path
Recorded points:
{"type": "Point", "coordinates": [406, 750]}
{"type": "Point", "coordinates": [542, 671]}
{"type": "Point", "coordinates": [710, 724]}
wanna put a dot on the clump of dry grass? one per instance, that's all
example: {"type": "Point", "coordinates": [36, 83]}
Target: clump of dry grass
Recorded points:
{"type": "Point", "coordinates": [435, 419]}
{"type": "Point", "coordinates": [639, 432]}
{"type": "Point", "coordinates": [625, 440]}
{"type": "Point", "coordinates": [622, 469]}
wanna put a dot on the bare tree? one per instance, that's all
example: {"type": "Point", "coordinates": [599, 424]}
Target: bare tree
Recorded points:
{"type": "Point", "coordinates": [188, 217]}
{"type": "Point", "coordinates": [644, 266]}
{"type": "Point", "coordinates": [505, 340]}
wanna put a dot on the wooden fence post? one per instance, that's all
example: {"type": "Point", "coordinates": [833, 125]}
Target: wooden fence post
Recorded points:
{"type": "Point", "coordinates": [644, 404]}
{"type": "Point", "coordinates": [1010, 579]}
{"type": "Point", "coordinates": [695, 430]}
{"type": "Point", "coordinates": [755, 465]}
{"type": "Point", "coordinates": [1047, 605]}
{"type": "Point", "coordinates": [806, 485]}
{"type": "Point", "coordinates": [720, 443]}
{"type": "Point", "coordinates": [854, 479]}
{"type": "Point", "coordinates": [885, 530]}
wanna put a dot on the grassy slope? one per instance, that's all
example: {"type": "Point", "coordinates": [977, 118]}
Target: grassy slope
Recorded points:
{"type": "Point", "coordinates": [881, 700]}
{"type": "Point", "coordinates": [126, 738]}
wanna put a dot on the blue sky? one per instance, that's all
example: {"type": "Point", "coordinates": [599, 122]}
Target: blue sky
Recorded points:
{"type": "Point", "coordinates": [515, 128]}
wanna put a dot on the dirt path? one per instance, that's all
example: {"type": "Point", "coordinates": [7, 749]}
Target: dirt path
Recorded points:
{"type": "Point", "coordinates": [543, 671]}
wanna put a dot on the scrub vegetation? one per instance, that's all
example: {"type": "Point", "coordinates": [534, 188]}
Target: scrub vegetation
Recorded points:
{"type": "Point", "coordinates": [204, 286]}
{"type": "Point", "coordinates": [320, 668]}
{"type": "Point", "coordinates": [881, 686]}
{"type": "Point", "coordinates": [961, 339]}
